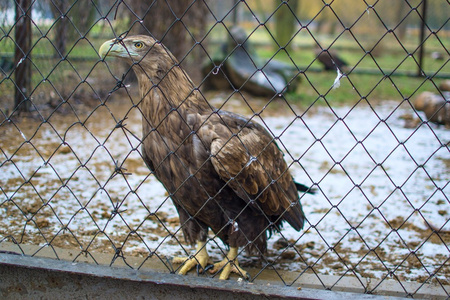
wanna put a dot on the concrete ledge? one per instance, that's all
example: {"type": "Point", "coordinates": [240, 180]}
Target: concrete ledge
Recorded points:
{"type": "Point", "coordinates": [25, 277]}
{"type": "Point", "coordinates": [65, 270]}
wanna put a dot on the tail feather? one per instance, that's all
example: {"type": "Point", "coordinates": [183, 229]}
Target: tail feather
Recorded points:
{"type": "Point", "coordinates": [295, 216]}
{"type": "Point", "coordinates": [305, 189]}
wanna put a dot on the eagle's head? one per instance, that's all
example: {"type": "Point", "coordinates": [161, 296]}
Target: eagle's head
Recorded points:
{"type": "Point", "coordinates": [141, 50]}
{"type": "Point", "coordinates": [134, 47]}
{"type": "Point", "coordinates": [153, 64]}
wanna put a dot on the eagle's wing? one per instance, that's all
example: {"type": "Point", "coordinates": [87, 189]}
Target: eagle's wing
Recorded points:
{"type": "Point", "coordinates": [247, 158]}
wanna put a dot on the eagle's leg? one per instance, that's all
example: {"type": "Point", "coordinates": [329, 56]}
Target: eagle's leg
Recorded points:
{"type": "Point", "coordinates": [200, 257]}
{"type": "Point", "coordinates": [230, 264]}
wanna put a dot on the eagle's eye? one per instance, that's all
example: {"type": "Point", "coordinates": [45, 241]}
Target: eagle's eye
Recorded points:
{"type": "Point", "coordinates": [139, 45]}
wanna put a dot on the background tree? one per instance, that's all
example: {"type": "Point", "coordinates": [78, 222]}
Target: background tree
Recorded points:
{"type": "Point", "coordinates": [22, 55]}
{"type": "Point", "coordinates": [178, 24]}
{"type": "Point", "coordinates": [72, 20]}
{"type": "Point", "coordinates": [59, 9]}
{"type": "Point", "coordinates": [402, 10]}
{"type": "Point", "coordinates": [286, 22]}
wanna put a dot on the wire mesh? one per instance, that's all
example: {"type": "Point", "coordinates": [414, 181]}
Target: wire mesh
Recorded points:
{"type": "Point", "coordinates": [346, 117]}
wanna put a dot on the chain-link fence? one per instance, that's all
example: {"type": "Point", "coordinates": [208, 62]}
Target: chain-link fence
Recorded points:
{"type": "Point", "coordinates": [354, 93]}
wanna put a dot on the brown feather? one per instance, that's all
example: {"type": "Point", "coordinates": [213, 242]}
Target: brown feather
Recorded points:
{"type": "Point", "coordinates": [219, 168]}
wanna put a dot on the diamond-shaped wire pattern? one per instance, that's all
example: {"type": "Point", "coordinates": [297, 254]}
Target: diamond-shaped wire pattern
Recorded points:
{"type": "Point", "coordinates": [340, 95]}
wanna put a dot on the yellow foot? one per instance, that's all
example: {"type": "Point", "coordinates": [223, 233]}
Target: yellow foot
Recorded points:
{"type": "Point", "coordinates": [229, 264]}
{"type": "Point", "coordinates": [200, 258]}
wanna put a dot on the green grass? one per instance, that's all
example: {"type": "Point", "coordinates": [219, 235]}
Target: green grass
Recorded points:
{"type": "Point", "coordinates": [43, 43]}
{"type": "Point", "coordinates": [365, 75]}
{"type": "Point", "coordinates": [316, 86]}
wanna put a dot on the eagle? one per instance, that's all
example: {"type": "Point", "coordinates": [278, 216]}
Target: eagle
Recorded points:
{"type": "Point", "coordinates": [223, 171]}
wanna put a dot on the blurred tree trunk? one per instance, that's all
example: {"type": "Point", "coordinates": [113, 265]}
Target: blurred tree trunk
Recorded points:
{"type": "Point", "coordinates": [73, 19]}
{"type": "Point", "coordinates": [178, 24]}
{"type": "Point", "coordinates": [22, 59]}
{"type": "Point", "coordinates": [286, 22]}
{"type": "Point", "coordinates": [402, 10]}
{"type": "Point", "coordinates": [59, 9]}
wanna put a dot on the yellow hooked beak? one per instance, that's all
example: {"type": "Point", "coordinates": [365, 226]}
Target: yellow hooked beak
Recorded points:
{"type": "Point", "coordinates": [113, 48]}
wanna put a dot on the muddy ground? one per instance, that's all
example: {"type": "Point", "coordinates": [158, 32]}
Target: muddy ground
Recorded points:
{"type": "Point", "coordinates": [382, 209]}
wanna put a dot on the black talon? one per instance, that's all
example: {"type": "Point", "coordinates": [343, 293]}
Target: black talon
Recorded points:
{"type": "Point", "coordinates": [247, 277]}
{"type": "Point", "coordinates": [198, 270]}
{"type": "Point", "coordinates": [201, 270]}
{"type": "Point", "coordinates": [169, 264]}
{"type": "Point", "coordinates": [208, 267]}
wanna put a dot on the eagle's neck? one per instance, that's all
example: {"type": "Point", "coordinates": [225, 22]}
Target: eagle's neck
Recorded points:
{"type": "Point", "coordinates": [165, 91]}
